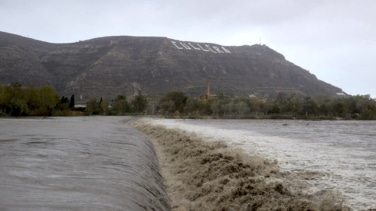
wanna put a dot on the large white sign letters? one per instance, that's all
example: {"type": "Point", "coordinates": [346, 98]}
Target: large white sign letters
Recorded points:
{"type": "Point", "coordinates": [200, 47]}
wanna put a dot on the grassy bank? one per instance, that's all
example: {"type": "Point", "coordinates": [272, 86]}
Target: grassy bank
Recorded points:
{"type": "Point", "coordinates": [202, 175]}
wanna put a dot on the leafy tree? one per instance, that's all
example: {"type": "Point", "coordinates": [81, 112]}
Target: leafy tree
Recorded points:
{"type": "Point", "coordinates": [32, 96]}
{"type": "Point", "coordinates": [104, 105]}
{"type": "Point", "coordinates": [49, 96]}
{"type": "Point", "coordinates": [16, 100]}
{"type": "Point", "coordinates": [254, 104]}
{"type": "Point", "coordinates": [120, 105]}
{"type": "Point", "coordinates": [4, 99]}
{"type": "Point", "coordinates": [203, 107]}
{"type": "Point", "coordinates": [275, 109]}
{"type": "Point", "coordinates": [15, 85]}
{"type": "Point", "coordinates": [228, 108]}
{"type": "Point", "coordinates": [71, 102]}
{"type": "Point", "coordinates": [367, 108]}
{"type": "Point", "coordinates": [339, 109]}
{"type": "Point", "coordinates": [173, 102]}
{"type": "Point", "coordinates": [177, 103]}
{"type": "Point", "coordinates": [48, 101]}
{"type": "Point", "coordinates": [64, 103]}
{"type": "Point", "coordinates": [192, 107]}
{"type": "Point", "coordinates": [241, 108]}
{"type": "Point", "coordinates": [139, 104]}
{"type": "Point", "coordinates": [216, 107]}
{"type": "Point", "coordinates": [16, 105]}
{"type": "Point", "coordinates": [62, 107]}
{"type": "Point", "coordinates": [93, 107]}
{"type": "Point", "coordinates": [309, 107]}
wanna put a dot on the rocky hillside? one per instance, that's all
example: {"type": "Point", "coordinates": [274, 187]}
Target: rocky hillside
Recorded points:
{"type": "Point", "coordinates": [109, 66]}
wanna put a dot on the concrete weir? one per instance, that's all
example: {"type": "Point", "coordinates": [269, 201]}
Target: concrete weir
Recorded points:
{"type": "Point", "coordinates": [78, 163]}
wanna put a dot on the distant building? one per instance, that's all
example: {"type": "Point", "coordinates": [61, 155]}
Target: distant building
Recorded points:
{"type": "Point", "coordinates": [208, 95]}
{"type": "Point", "coordinates": [252, 96]}
{"type": "Point", "coordinates": [341, 94]}
{"type": "Point", "coordinates": [80, 106]}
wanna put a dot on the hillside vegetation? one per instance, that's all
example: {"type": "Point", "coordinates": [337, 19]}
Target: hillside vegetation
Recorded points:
{"type": "Point", "coordinates": [152, 66]}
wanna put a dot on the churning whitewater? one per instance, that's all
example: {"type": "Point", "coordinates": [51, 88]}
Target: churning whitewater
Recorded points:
{"type": "Point", "coordinates": [329, 155]}
{"type": "Point", "coordinates": [102, 163]}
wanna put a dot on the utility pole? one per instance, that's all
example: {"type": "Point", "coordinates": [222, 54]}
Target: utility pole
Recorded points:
{"type": "Point", "coordinates": [208, 90]}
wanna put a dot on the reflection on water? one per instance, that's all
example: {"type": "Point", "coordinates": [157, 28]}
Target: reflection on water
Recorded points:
{"type": "Point", "coordinates": [83, 163]}
{"type": "Point", "coordinates": [343, 151]}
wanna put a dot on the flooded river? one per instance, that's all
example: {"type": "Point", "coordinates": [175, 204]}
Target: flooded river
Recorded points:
{"type": "Point", "coordinates": [77, 163]}
{"type": "Point", "coordinates": [101, 163]}
{"type": "Point", "coordinates": [343, 152]}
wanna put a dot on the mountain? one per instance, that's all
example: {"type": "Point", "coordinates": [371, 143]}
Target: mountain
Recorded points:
{"type": "Point", "coordinates": [109, 66]}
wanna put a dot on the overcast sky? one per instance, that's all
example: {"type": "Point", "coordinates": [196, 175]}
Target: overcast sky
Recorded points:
{"type": "Point", "coordinates": [333, 39]}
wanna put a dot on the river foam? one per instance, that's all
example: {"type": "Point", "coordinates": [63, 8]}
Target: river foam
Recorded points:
{"type": "Point", "coordinates": [300, 147]}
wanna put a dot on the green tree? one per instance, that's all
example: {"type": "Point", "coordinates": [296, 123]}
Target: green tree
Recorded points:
{"type": "Point", "coordinates": [216, 107]}
{"type": "Point", "coordinates": [204, 107]}
{"type": "Point", "coordinates": [17, 105]}
{"type": "Point", "coordinates": [228, 108]}
{"type": "Point", "coordinates": [104, 105]}
{"type": "Point", "coordinates": [367, 108]}
{"type": "Point", "coordinates": [71, 102]}
{"type": "Point", "coordinates": [309, 107]}
{"type": "Point", "coordinates": [16, 100]}
{"type": "Point", "coordinates": [173, 102]}
{"type": "Point", "coordinates": [139, 104]}
{"type": "Point", "coordinates": [4, 99]}
{"type": "Point", "coordinates": [241, 109]}
{"type": "Point", "coordinates": [48, 101]}
{"type": "Point", "coordinates": [62, 107]}
{"type": "Point", "coordinates": [120, 105]}
{"type": "Point", "coordinates": [93, 107]}
{"type": "Point", "coordinates": [192, 107]}
{"type": "Point", "coordinates": [254, 105]}
{"type": "Point", "coordinates": [275, 109]}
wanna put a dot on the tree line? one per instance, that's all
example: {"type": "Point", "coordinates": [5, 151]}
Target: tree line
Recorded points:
{"type": "Point", "coordinates": [286, 106]}
{"type": "Point", "coordinates": [16, 100]}
{"type": "Point", "coordinates": [19, 101]}
{"type": "Point", "coordinates": [44, 101]}
{"type": "Point", "coordinates": [119, 106]}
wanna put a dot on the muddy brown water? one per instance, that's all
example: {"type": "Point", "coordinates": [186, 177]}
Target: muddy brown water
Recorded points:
{"type": "Point", "coordinates": [80, 163]}
{"type": "Point", "coordinates": [210, 175]}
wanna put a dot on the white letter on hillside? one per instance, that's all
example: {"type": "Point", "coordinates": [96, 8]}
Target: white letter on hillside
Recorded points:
{"type": "Point", "coordinates": [226, 50]}
{"type": "Point", "coordinates": [185, 46]}
{"type": "Point", "coordinates": [196, 48]}
{"type": "Point", "coordinates": [202, 48]}
{"type": "Point", "coordinates": [208, 46]}
{"type": "Point", "coordinates": [174, 43]}
{"type": "Point", "coordinates": [217, 49]}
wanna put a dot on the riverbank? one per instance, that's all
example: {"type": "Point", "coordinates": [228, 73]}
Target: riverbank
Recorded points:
{"type": "Point", "coordinates": [202, 175]}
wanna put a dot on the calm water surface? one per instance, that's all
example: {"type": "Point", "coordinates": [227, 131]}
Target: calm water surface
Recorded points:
{"type": "Point", "coordinates": [83, 163]}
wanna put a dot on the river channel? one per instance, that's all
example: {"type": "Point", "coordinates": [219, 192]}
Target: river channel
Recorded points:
{"type": "Point", "coordinates": [78, 163]}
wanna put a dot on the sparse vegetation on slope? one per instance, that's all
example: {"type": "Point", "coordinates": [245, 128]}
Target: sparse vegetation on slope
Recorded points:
{"type": "Point", "coordinates": [110, 66]}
